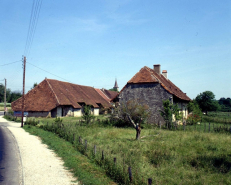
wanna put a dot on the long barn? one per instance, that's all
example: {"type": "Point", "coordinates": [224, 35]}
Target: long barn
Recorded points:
{"type": "Point", "coordinates": [56, 98]}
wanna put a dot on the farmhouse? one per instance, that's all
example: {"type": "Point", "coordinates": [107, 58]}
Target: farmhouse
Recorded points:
{"type": "Point", "coordinates": [150, 87]}
{"type": "Point", "coordinates": [57, 98]}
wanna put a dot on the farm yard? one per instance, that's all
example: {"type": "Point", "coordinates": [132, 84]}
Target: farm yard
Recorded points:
{"type": "Point", "coordinates": [197, 154]}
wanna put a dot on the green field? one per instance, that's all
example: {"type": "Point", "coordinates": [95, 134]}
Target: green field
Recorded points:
{"type": "Point", "coordinates": [194, 156]}
{"type": "Point", "coordinates": [8, 105]}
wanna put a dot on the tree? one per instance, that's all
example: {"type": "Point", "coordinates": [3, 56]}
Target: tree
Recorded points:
{"type": "Point", "coordinates": [195, 113]}
{"type": "Point", "coordinates": [135, 112]}
{"type": "Point", "coordinates": [2, 92]}
{"type": "Point", "coordinates": [35, 84]}
{"type": "Point", "coordinates": [170, 109]}
{"type": "Point", "coordinates": [14, 96]}
{"type": "Point", "coordinates": [87, 116]}
{"type": "Point", "coordinates": [207, 102]}
{"type": "Point", "coordinates": [225, 104]}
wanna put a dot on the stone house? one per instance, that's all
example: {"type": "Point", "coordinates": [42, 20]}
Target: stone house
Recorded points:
{"type": "Point", "coordinates": [150, 87]}
{"type": "Point", "coordinates": [57, 98]}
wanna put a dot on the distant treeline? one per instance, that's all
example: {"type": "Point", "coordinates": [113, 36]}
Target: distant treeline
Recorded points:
{"type": "Point", "coordinates": [10, 95]}
{"type": "Point", "coordinates": [225, 104]}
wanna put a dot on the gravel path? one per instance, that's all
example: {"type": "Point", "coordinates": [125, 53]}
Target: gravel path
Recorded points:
{"type": "Point", "coordinates": [40, 165]}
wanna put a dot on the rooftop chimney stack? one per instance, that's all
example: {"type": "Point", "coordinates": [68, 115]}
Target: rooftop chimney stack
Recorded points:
{"type": "Point", "coordinates": [165, 74]}
{"type": "Point", "coordinates": [157, 68]}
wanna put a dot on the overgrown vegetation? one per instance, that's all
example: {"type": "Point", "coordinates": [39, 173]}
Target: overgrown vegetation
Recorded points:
{"type": "Point", "coordinates": [83, 168]}
{"type": "Point", "coordinates": [87, 115]}
{"type": "Point", "coordinates": [10, 116]}
{"type": "Point", "coordinates": [201, 154]}
{"type": "Point", "coordinates": [168, 112]}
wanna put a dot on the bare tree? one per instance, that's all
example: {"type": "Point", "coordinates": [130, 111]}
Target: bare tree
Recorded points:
{"type": "Point", "coordinates": [134, 112]}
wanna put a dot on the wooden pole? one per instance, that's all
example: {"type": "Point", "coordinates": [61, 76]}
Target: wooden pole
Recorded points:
{"type": "Point", "coordinates": [5, 99]}
{"type": "Point", "coordinates": [130, 173]}
{"type": "Point", "coordinates": [23, 89]}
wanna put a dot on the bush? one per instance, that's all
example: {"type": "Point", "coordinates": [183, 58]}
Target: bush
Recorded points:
{"type": "Point", "coordinates": [31, 122]}
{"type": "Point", "coordinates": [87, 116]}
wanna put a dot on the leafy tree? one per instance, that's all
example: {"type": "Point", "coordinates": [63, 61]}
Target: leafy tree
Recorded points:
{"type": "Point", "coordinates": [134, 112]}
{"type": "Point", "coordinates": [87, 116]}
{"type": "Point", "coordinates": [225, 104]}
{"type": "Point", "coordinates": [14, 96]}
{"type": "Point", "coordinates": [35, 84]}
{"type": "Point", "coordinates": [168, 112]}
{"type": "Point", "coordinates": [207, 102]}
{"type": "Point", "coordinates": [195, 113]}
{"type": "Point", "coordinates": [2, 93]}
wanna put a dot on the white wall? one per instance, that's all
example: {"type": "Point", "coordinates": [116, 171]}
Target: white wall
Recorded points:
{"type": "Point", "coordinates": [96, 112]}
{"type": "Point", "coordinates": [77, 112]}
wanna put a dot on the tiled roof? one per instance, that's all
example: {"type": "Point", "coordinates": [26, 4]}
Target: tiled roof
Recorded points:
{"type": "Point", "coordinates": [148, 75]}
{"type": "Point", "coordinates": [103, 95]}
{"type": "Point", "coordinates": [52, 93]}
{"type": "Point", "coordinates": [110, 94]}
{"type": "Point", "coordinates": [106, 94]}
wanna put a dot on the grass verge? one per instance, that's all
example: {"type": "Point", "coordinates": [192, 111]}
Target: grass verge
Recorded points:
{"type": "Point", "coordinates": [83, 168]}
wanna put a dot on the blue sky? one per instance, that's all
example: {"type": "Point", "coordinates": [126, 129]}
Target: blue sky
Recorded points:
{"type": "Point", "coordinates": [93, 42]}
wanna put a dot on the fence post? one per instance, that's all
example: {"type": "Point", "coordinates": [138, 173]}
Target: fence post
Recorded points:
{"type": "Point", "coordinates": [150, 181]}
{"type": "Point", "coordinates": [85, 144]}
{"type": "Point", "coordinates": [73, 138]}
{"type": "Point", "coordinates": [130, 173]}
{"type": "Point", "coordinates": [102, 155]}
{"type": "Point", "coordinates": [184, 125]}
{"type": "Point", "coordinates": [94, 149]}
{"type": "Point", "coordinates": [80, 140]}
{"type": "Point", "coordinates": [160, 124]}
{"type": "Point", "coordinates": [114, 160]}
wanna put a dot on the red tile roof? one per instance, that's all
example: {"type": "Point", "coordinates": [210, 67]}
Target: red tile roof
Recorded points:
{"type": "Point", "coordinates": [148, 75]}
{"type": "Point", "coordinates": [103, 95]}
{"type": "Point", "coordinates": [110, 94]}
{"type": "Point", "coordinates": [51, 93]}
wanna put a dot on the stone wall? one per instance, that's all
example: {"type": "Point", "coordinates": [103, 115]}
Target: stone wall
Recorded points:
{"type": "Point", "coordinates": [149, 94]}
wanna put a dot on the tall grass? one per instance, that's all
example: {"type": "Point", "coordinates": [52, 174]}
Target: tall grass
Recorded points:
{"type": "Point", "coordinates": [168, 157]}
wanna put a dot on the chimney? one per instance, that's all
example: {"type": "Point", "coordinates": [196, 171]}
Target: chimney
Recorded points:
{"type": "Point", "coordinates": [157, 68]}
{"type": "Point", "coordinates": [165, 74]}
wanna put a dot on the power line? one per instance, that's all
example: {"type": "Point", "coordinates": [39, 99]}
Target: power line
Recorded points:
{"type": "Point", "coordinates": [48, 72]}
{"type": "Point", "coordinates": [36, 6]}
{"type": "Point", "coordinates": [10, 63]}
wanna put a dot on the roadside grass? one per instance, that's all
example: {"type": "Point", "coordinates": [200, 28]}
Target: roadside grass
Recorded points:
{"type": "Point", "coordinates": [65, 119]}
{"type": "Point", "coordinates": [83, 168]}
{"type": "Point", "coordinates": [168, 157]}
{"type": "Point", "coordinates": [193, 156]}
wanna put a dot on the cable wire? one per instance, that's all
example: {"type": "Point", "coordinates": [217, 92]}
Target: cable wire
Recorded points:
{"type": "Point", "coordinates": [35, 11]}
{"type": "Point", "coordinates": [10, 63]}
{"type": "Point", "coordinates": [48, 72]}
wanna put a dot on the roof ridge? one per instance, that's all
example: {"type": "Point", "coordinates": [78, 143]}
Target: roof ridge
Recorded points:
{"type": "Point", "coordinates": [53, 91]}
{"type": "Point", "coordinates": [104, 93]}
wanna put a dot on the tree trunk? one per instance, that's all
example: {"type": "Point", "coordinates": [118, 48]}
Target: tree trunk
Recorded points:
{"type": "Point", "coordinates": [138, 131]}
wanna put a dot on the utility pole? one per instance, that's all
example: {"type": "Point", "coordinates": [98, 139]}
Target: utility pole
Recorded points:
{"type": "Point", "coordinates": [23, 90]}
{"type": "Point", "coordinates": [5, 98]}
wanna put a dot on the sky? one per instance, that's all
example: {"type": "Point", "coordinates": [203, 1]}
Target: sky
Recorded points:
{"type": "Point", "coordinates": [94, 42]}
